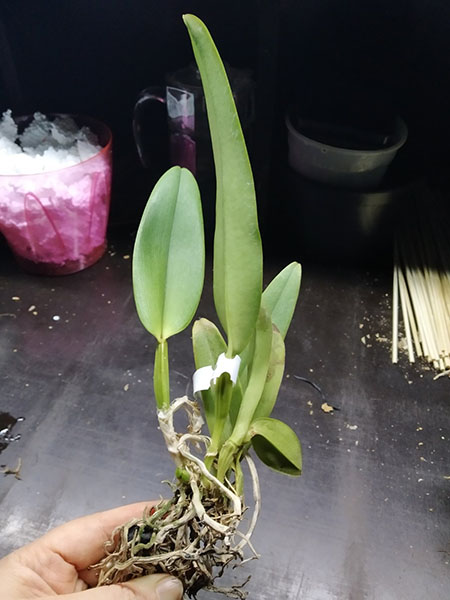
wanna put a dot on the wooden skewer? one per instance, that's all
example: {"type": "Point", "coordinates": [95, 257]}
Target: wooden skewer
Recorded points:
{"type": "Point", "coordinates": [421, 280]}
{"type": "Point", "coordinates": [411, 316]}
{"type": "Point", "coordinates": [403, 293]}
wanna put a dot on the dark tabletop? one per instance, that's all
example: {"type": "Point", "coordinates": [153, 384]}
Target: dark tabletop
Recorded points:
{"type": "Point", "coordinates": [369, 518]}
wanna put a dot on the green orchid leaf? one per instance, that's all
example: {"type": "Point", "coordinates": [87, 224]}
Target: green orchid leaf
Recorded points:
{"type": "Point", "coordinates": [208, 344]}
{"type": "Point", "coordinates": [237, 243]}
{"type": "Point", "coordinates": [246, 361]}
{"type": "Point", "coordinates": [252, 394]}
{"type": "Point", "coordinates": [280, 296]}
{"type": "Point", "coordinates": [276, 445]}
{"type": "Point", "coordinates": [236, 401]}
{"type": "Point", "coordinates": [169, 255]}
{"type": "Point", "coordinates": [274, 376]}
{"type": "Point", "coordinates": [256, 377]}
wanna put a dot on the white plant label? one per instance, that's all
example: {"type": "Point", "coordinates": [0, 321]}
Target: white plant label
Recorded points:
{"type": "Point", "coordinates": [204, 376]}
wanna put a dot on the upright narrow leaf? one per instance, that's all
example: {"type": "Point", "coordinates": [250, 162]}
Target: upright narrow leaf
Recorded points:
{"type": "Point", "coordinates": [280, 296]}
{"type": "Point", "coordinates": [274, 377]}
{"type": "Point", "coordinates": [208, 344]}
{"type": "Point", "coordinates": [169, 255]}
{"type": "Point", "coordinates": [237, 243]}
{"type": "Point", "coordinates": [256, 378]}
{"type": "Point", "coordinates": [252, 394]}
{"type": "Point", "coordinates": [236, 401]}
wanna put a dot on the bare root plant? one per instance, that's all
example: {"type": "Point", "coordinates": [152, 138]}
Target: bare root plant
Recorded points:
{"type": "Point", "coordinates": [198, 532]}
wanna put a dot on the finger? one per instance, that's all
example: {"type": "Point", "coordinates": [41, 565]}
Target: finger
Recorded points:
{"type": "Point", "coordinates": [151, 587]}
{"type": "Point", "coordinates": [81, 542]}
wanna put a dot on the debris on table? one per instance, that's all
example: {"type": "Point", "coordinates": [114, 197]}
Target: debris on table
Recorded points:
{"type": "Point", "coordinates": [15, 471]}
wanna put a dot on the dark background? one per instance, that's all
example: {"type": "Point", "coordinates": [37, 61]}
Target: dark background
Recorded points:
{"type": "Point", "coordinates": [330, 59]}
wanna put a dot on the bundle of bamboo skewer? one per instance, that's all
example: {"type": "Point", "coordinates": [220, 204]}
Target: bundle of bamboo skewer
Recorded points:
{"type": "Point", "coordinates": [421, 286]}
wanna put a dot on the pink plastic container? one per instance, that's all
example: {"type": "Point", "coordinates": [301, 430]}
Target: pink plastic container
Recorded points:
{"type": "Point", "coordinates": [55, 221]}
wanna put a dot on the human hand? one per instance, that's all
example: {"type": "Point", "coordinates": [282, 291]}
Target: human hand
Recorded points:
{"type": "Point", "coordinates": [57, 564]}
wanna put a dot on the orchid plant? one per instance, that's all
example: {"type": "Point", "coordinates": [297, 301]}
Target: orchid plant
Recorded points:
{"type": "Point", "coordinates": [240, 363]}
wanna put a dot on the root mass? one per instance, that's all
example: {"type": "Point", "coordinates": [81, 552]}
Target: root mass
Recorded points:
{"type": "Point", "coordinates": [193, 535]}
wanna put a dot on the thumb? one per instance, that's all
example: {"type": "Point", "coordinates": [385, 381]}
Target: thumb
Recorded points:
{"type": "Point", "coordinates": [154, 587]}
{"type": "Point", "coordinates": [150, 587]}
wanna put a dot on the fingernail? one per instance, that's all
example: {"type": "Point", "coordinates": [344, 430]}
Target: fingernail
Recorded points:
{"type": "Point", "coordinates": [159, 586]}
{"type": "Point", "coordinates": [169, 589]}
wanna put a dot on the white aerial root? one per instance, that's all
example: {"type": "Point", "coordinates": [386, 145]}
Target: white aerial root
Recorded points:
{"type": "Point", "coordinates": [178, 445]}
{"type": "Point", "coordinates": [257, 506]}
{"type": "Point", "coordinates": [165, 419]}
{"type": "Point", "coordinates": [183, 450]}
{"type": "Point", "coordinates": [188, 515]}
{"type": "Point", "coordinates": [201, 512]}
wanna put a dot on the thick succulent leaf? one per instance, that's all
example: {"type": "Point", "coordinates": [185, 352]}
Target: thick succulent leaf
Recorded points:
{"type": "Point", "coordinates": [277, 445]}
{"type": "Point", "coordinates": [246, 361]}
{"type": "Point", "coordinates": [208, 344]}
{"type": "Point", "coordinates": [280, 296]}
{"type": "Point", "coordinates": [274, 376]}
{"type": "Point", "coordinates": [236, 400]}
{"type": "Point", "coordinates": [237, 243]}
{"type": "Point", "coordinates": [169, 255]}
{"type": "Point", "coordinates": [256, 377]}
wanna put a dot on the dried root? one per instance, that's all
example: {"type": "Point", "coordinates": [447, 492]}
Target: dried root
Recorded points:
{"type": "Point", "coordinates": [191, 535]}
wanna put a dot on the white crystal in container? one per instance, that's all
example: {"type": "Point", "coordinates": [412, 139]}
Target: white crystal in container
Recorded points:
{"type": "Point", "coordinates": [55, 187]}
